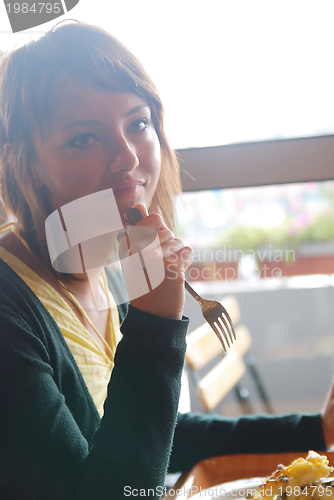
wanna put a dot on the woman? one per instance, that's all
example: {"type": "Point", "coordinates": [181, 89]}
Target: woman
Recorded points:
{"type": "Point", "coordinates": [78, 116]}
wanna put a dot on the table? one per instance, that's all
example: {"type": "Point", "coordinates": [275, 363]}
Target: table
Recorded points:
{"type": "Point", "coordinates": [217, 470]}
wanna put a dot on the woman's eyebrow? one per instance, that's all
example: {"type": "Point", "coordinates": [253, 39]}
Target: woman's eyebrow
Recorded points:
{"type": "Point", "coordinates": [82, 123]}
{"type": "Point", "coordinates": [137, 108]}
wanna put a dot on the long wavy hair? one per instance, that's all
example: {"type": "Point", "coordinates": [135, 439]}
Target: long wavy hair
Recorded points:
{"type": "Point", "coordinates": [28, 78]}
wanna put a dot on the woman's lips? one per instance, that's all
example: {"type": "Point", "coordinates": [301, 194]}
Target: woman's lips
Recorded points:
{"type": "Point", "coordinates": [126, 189]}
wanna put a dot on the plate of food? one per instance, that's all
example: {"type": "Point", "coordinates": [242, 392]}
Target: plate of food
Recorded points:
{"type": "Point", "coordinates": [303, 479]}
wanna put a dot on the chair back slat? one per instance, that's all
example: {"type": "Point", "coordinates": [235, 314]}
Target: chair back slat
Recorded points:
{"type": "Point", "coordinates": [202, 347]}
{"type": "Point", "coordinates": [202, 343]}
{"type": "Point", "coordinates": [221, 379]}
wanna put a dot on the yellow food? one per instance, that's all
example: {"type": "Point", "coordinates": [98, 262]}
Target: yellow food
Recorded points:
{"type": "Point", "coordinates": [303, 479]}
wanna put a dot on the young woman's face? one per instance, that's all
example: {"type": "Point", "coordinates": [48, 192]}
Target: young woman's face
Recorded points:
{"type": "Point", "coordinates": [98, 140]}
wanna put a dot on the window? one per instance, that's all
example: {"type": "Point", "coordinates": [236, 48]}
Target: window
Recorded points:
{"type": "Point", "coordinates": [273, 248]}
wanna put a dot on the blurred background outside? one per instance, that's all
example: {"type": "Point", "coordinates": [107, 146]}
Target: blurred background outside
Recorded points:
{"type": "Point", "coordinates": [273, 248]}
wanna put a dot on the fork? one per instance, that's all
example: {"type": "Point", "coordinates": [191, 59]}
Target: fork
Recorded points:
{"type": "Point", "coordinates": [213, 311]}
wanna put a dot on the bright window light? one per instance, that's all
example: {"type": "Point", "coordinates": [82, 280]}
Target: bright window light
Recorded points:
{"type": "Point", "coordinates": [228, 71]}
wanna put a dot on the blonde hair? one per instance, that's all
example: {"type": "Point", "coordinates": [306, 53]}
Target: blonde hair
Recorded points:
{"type": "Point", "coordinates": [27, 79]}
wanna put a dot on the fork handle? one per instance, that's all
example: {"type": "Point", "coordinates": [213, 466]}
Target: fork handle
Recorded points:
{"type": "Point", "coordinates": [192, 292]}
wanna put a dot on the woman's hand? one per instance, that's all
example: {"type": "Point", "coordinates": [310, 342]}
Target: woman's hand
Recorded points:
{"type": "Point", "coordinates": [166, 299]}
{"type": "Point", "coordinates": [327, 416]}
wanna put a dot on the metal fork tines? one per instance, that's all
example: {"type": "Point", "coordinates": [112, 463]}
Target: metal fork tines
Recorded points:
{"type": "Point", "coordinates": [212, 310]}
{"type": "Point", "coordinates": [217, 317]}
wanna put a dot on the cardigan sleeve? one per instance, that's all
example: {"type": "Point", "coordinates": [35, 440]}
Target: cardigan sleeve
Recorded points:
{"type": "Point", "coordinates": [199, 436]}
{"type": "Point", "coordinates": [43, 453]}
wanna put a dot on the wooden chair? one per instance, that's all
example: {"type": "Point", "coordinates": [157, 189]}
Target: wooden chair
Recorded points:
{"type": "Point", "coordinates": [203, 346]}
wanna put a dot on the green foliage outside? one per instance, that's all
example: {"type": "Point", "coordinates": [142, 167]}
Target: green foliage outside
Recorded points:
{"type": "Point", "coordinates": [320, 229]}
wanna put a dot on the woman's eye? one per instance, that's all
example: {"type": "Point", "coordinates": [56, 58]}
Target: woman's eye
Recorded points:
{"type": "Point", "coordinates": [139, 125]}
{"type": "Point", "coordinates": [83, 140]}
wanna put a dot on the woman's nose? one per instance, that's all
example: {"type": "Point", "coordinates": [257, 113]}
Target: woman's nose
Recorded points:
{"type": "Point", "coordinates": [125, 158]}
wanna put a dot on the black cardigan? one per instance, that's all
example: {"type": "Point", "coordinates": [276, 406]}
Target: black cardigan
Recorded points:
{"type": "Point", "coordinates": [53, 444]}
